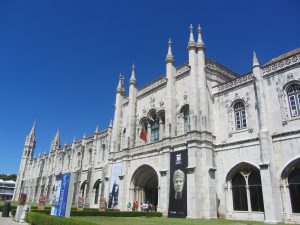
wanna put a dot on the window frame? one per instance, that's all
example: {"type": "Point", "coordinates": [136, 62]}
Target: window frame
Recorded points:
{"type": "Point", "coordinates": [294, 91]}
{"type": "Point", "coordinates": [240, 115]}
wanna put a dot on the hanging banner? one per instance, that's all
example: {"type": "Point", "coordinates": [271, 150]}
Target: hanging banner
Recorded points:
{"type": "Point", "coordinates": [178, 184]}
{"type": "Point", "coordinates": [114, 186]}
{"type": "Point", "coordinates": [62, 195]}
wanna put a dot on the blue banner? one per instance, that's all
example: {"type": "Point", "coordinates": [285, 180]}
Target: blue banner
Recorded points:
{"type": "Point", "coordinates": [63, 195]}
{"type": "Point", "coordinates": [60, 195]}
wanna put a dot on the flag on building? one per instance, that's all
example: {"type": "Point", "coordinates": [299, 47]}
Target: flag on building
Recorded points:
{"type": "Point", "coordinates": [143, 135]}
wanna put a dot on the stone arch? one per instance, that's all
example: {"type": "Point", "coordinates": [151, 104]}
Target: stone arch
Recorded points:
{"type": "Point", "coordinates": [290, 177]}
{"type": "Point", "coordinates": [245, 188]}
{"type": "Point", "coordinates": [289, 166]}
{"type": "Point", "coordinates": [237, 167]}
{"type": "Point", "coordinates": [83, 188]}
{"type": "Point", "coordinates": [96, 189]}
{"type": "Point", "coordinates": [144, 185]}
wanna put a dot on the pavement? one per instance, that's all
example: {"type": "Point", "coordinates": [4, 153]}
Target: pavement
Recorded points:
{"type": "Point", "coordinates": [10, 221]}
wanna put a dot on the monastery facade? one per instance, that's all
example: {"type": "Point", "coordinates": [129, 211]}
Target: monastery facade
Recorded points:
{"type": "Point", "coordinates": [230, 143]}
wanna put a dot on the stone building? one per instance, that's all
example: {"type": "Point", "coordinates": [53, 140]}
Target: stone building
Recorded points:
{"type": "Point", "coordinates": [235, 138]}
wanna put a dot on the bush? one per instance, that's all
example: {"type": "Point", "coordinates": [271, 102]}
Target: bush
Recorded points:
{"type": "Point", "coordinates": [95, 212]}
{"type": "Point", "coordinates": [42, 219]}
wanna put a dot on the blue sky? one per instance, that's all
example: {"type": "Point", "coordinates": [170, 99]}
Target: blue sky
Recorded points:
{"type": "Point", "coordinates": [60, 60]}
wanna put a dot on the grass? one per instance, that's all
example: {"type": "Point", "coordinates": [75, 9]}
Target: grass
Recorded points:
{"type": "Point", "coordinates": [161, 221]}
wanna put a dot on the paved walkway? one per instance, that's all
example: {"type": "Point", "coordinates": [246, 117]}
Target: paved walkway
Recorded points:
{"type": "Point", "coordinates": [9, 221]}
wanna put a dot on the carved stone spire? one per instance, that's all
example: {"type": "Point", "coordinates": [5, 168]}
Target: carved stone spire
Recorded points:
{"type": "Point", "coordinates": [97, 129]}
{"type": "Point", "coordinates": [120, 87]}
{"type": "Point", "coordinates": [200, 43]}
{"type": "Point", "coordinates": [32, 131]}
{"type": "Point", "coordinates": [132, 78]}
{"type": "Point", "coordinates": [110, 124]}
{"type": "Point", "coordinates": [170, 57]}
{"type": "Point", "coordinates": [55, 145]}
{"type": "Point", "coordinates": [255, 60]}
{"type": "Point", "coordinates": [191, 40]}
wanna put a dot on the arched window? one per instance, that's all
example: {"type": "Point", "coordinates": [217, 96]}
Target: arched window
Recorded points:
{"type": "Point", "coordinates": [155, 131]}
{"type": "Point", "coordinates": [90, 156]}
{"type": "Point", "coordinates": [294, 186]}
{"type": "Point", "coordinates": [293, 93]}
{"type": "Point", "coordinates": [239, 193]}
{"type": "Point", "coordinates": [185, 111]}
{"type": "Point", "coordinates": [255, 190]}
{"type": "Point", "coordinates": [124, 138]}
{"type": "Point", "coordinates": [82, 188]}
{"type": "Point", "coordinates": [69, 161]}
{"type": "Point", "coordinates": [240, 115]}
{"type": "Point", "coordinates": [78, 159]}
{"type": "Point", "coordinates": [103, 152]}
{"type": "Point", "coordinates": [97, 189]}
{"type": "Point", "coordinates": [247, 183]}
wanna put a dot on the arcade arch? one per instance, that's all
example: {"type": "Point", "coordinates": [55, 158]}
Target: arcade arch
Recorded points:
{"type": "Point", "coordinates": [144, 186]}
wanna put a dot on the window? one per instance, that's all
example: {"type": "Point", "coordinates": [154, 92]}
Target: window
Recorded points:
{"type": "Point", "coordinates": [239, 193]}
{"type": "Point", "coordinates": [294, 99]}
{"type": "Point", "coordinates": [294, 186]}
{"type": "Point", "coordinates": [97, 188]}
{"type": "Point", "coordinates": [240, 115]}
{"type": "Point", "coordinates": [255, 190]}
{"type": "Point", "coordinates": [90, 156]}
{"type": "Point", "coordinates": [155, 131]}
{"type": "Point", "coordinates": [186, 120]}
{"type": "Point", "coordinates": [247, 182]}
{"type": "Point", "coordinates": [103, 152]}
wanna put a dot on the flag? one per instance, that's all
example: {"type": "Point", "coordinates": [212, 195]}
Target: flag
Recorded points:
{"type": "Point", "coordinates": [143, 135]}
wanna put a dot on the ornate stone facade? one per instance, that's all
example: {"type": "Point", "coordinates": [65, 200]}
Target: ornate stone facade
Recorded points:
{"type": "Point", "coordinates": [241, 133]}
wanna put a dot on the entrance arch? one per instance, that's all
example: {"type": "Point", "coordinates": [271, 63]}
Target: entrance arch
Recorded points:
{"type": "Point", "coordinates": [144, 185]}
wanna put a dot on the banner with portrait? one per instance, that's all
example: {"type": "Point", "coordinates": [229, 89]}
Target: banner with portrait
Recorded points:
{"type": "Point", "coordinates": [114, 186]}
{"type": "Point", "coordinates": [178, 184]}
{"type": "Point", "coordinates": [62, 195]}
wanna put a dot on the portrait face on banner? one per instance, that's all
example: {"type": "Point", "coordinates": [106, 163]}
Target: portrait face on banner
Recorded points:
{"type": "Point", "coordinates": [178, 184]}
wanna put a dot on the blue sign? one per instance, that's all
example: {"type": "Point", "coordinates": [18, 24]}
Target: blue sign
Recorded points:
{"type": "Point", "coordinates": [63, 195]}
{"type": "Point", "coordinates": [59, 206]}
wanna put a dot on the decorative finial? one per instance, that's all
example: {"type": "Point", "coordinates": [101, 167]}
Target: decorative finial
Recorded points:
{"type": "Point", "coordinates": [110, 124]}
{"type": "Point", "coordinates": [97, 129]}
{"type": "Point", "coordinates": [84, 135]}
{"type": "Point", "coordinates": [255, 60]}
{"type": "Point", "coordinates": [120, 84]}
{"type": "Point", "coordinates": [74, 139]}
{"type": "Point", "coordinates": [191, 40]}
{"type": "Point", "coordinates": [170, 57]}
{"type": "Point", "coordinates": [132, 78]}
{"type": "Point", "coordinates": [200, 42]}
{"type": "Point", "coordinates": [32, 131]}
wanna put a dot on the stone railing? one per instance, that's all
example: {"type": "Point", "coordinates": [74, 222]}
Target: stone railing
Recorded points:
{"type": "Point", "coordinates": [271, 68]}
{"type": "Point", "coordinates": [210, 64]}
{"type": "Point", "coordinates": [235, 82]}
{"type": "Point", "coordinates": [160, 145]}
{"type": "Point", "coordinates": [183, 69]}
{"type": "Point", "coordinates": [153, 85]}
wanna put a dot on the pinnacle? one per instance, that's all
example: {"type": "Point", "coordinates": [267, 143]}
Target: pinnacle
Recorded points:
{"type": "Point", "coordinates": [132, 78]}
{"type": "Point", "coordinates": [200, 42]}
{"type": "Point", "coordinates": [255, 60]}
{"type": "Point", "coordinates": [170, 57]}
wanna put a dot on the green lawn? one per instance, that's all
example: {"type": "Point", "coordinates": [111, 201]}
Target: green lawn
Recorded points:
{"type": "Point", "coordinates": [105, 220]}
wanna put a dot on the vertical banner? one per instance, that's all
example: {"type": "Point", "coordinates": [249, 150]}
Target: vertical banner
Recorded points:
{"type": "Point", "coordinates": [55, 195]}
{"type": "Point", "coordinates": [114, 186]}
{"type": "Point", "coordinates": [178, 184]}
{"type": "Point", "coordinates": [62, 195]}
